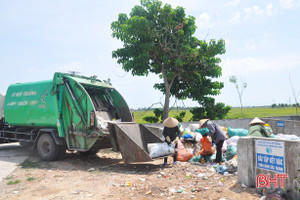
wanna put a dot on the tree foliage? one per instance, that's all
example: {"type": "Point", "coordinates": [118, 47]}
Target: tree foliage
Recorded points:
{"type": "Point", "coordinates": [159, 39]}
{"type": "Point", "coordinates": [158, 116]}
{"type": "Point", "coordinates": [210, 110]}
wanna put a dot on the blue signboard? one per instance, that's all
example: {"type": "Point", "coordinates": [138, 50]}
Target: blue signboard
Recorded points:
{"type": "Point", "coordinates": [270, 155]}
{"type": "Point", "coordinates": [280, 124]}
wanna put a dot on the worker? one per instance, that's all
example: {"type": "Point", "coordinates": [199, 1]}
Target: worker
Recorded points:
{"type": "Point", "coordinates": [207, 148]}
{"type": "Point", "coordinates": [257, 128]}
{"type": "Point", "coordinates": [217, 135]}
{"type": "Point", "coordinates": [171, 133]}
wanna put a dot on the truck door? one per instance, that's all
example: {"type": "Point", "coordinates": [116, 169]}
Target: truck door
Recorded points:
{"type": "Point", "coordinates": [78, 116]}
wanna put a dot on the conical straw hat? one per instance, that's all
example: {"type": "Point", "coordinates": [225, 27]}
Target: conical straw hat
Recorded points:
{"type": "Point", "coordinates": [202, 121]}
{"type": "Point", "coordinates": [170, 122]}
{"type": "Point", "coordinates": [256, 121]}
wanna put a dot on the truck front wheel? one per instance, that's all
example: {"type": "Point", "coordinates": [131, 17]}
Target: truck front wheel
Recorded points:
{"type": "Point", "coordinates": [47, 150]}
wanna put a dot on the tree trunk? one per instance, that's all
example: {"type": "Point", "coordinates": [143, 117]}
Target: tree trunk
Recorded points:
{"type": "Point", "coordinates": [168, 86]}
{"type": "Point", "coordinates": [241, 106]}
{"type": "Point", "coordinates": [167, 104]}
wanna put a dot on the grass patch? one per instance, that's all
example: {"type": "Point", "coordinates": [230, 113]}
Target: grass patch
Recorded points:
{"type": "Point", "coordinates": [249, 112]}
{"type": "Point", "coordinates": [31, 179]}
{"type": "Point", "coordinates": [138, 115]}
{"type": "Point", "coordinates": [9, 178]}
{"type": "Point", "coordinates": [13, 182]}
{"type": "Point", "coordinates": [29, 164]}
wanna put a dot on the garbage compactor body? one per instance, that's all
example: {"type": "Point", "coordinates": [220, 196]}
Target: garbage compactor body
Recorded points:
{"type": "Point", "coordinates": [73, 112]}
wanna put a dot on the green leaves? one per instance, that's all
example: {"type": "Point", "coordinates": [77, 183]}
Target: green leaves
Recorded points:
{"type": "Point", "coordinates": [210, 110]}
{"type": "Point", "coordinates": [159, 39]}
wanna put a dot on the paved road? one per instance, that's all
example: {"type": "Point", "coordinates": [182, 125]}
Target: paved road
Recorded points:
{"type": "Point", "coordinates": [11, 155]}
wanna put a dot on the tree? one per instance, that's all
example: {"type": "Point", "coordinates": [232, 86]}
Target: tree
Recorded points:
{"type": "Point", "coordinates": [233, 79]}
{"type": "Point", "coordinates": [210, 110]}
{"type": "Point", "coordinates": [295, 96]}
{"type": "Point", "coordinates": [158, 114]}
{"type": "Point", "coordinates": [159, 39]}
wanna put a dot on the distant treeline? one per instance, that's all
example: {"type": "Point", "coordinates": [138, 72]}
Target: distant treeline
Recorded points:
{"type": "Point", "coordinates": [173, 108]}
{"type": "Point", "coordinates": [274, 105]}
{"type": "Point", "coordinates": [281, 105]}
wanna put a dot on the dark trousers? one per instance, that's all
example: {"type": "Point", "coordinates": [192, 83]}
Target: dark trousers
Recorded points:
{"type": "Point", "coordinates": [219, 151]}
{"type": "Point", "coordinates": [174, 156]}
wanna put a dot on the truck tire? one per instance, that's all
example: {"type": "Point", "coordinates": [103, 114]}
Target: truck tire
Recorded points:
{"type": "Point", "coordinates": [47, 150]}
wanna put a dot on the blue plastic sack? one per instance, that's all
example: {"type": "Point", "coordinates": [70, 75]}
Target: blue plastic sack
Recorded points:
{"type": "Point", "coordinates": [222, 168]}
{"type": "Point", "coordinates": [231, 151]}
{"type": "Point", "coordinates": [202, 131]}
{"type": "Point", "coordinates": [185, 136]}
{"type": "Point", "coordinates": [237, 132]}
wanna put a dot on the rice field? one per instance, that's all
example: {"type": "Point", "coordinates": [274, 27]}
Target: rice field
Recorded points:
{"type": "Point", "coordinates": [249, 112]}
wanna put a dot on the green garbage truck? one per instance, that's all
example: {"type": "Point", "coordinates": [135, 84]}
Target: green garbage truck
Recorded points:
{"type": "Point", "coordinates": [72, 112]}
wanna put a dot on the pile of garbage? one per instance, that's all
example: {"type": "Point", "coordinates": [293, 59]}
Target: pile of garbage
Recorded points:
{"type": "Point", "coordinates": [193, 147]}
{"type": "Point", "coordinates": [191, 138]}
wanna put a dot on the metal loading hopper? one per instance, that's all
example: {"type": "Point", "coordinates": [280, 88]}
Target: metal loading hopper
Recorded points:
{"type": "Point", "coordinates": [133, 139]}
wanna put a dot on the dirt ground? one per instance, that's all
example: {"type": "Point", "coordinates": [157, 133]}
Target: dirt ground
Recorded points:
{"type": "Point", "coordinates": [106, 176]}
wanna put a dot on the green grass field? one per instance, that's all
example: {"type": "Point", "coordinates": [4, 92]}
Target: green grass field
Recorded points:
{"type": "Point", "coordinates": [233, 113]}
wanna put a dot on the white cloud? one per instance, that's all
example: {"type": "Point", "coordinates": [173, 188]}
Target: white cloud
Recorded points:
{"type": "Point", "coordinates": [269, 10]}
{"type": "Point", "coordinates": [236, 18]}
{"type": "Point", "coordinates": [286, 4]}
{"type": "Point", "coordinates": [254, 10]}
{"type": "Point", "coordinates": [250, 45]}
{"type": "Point", "coordinates": [241, 66]}
{"type": "Point", "coordinates": [254, 44]}
{"type": "Point", "coordinates": [234, 2]}
{"type": "Point", "coordinates": [204, 21]}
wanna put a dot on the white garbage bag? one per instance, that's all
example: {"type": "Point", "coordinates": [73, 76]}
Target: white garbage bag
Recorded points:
{"type": "Point", "coordinates": [160, 149]}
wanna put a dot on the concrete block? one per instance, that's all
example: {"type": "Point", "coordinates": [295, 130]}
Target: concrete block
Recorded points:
{"type": "Point", "coordinates": [247, 165]}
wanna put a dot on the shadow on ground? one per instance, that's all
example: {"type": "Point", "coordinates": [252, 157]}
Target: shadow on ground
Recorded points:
{"type": "Point", "coordinates": [104, 161]}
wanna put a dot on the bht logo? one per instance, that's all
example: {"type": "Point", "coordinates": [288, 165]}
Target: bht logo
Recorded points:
{"type": "Point", "coordinates": [265, 181]}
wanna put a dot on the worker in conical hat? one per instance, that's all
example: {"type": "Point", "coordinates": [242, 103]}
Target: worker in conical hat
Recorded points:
{"type": "Point", "coordinates": [171, 133]}
{"type": "Point", "coordinates": [217, 135]}
{"type": "Point", "coordinates": [257, 128]}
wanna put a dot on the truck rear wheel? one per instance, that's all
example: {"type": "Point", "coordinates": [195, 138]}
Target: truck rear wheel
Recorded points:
{"type": "Point", "coordinates": [46, 148]}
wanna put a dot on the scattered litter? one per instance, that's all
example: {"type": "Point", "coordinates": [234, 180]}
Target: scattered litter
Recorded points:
{"type": "Point", "coordinates": [172, 190]}
{"type": "Point", "coordinates": [89, 195]}
{"type": "Point", "coordinates": [148, 192]}
{"type": "Point", "coordinates": [221, 169]}
{"type": "Point", "coordinates": [188, 175]}
{"type": "Point", "coordinates": [128, 184]}
{"type": "Point", "coordinates": [201, 175]}
{"type": "Point", "coordinates": [243, 185]}
{"type": "Point", "coordinates": [91, 169]}
{"type": "Point", "coordinates": [142, 179]}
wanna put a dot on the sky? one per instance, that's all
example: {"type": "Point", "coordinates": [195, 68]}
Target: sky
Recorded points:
{"type": "Point", "coordinates": [39, 38]}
